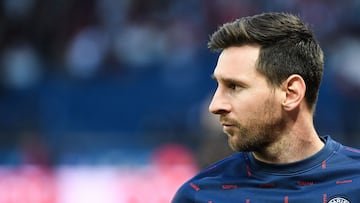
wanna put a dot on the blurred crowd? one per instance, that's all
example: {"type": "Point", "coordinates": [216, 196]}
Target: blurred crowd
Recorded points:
{"type": "Point", "coordinates": [94, 81]}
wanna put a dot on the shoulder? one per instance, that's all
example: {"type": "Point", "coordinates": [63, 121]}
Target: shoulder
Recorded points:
{"type": "Point", "coordinates": [349, 153]}
{"type": "Point", "coordinates": [341, 149]}
{"type": "Point", "coordinates": [344, 156]}
{"type": "Point", "coordinates": [234, 165]}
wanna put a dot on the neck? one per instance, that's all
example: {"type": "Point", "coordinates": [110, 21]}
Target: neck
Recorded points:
{"type": "Point", "coordinates": [298, 143]}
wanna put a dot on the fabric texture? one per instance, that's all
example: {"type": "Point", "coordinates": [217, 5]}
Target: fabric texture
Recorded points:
{"type": "Point", "coordinates": [331, 175]}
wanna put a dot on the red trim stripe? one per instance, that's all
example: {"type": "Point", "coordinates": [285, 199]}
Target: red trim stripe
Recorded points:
{"type": "Point", "coordinates": [248, 170]}
{"type": "Point", "coordinates": [195, 187]}
{"type": "Point", "coordinates": [343, 181]}
{"type": "Point", "coordinates": [352, 149]}
{"type": "Point", "coordinates": [229, 186]}
{"type": "Point", "coordinates": [323, 165]}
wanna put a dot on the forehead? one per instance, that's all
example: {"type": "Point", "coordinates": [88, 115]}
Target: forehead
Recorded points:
{"type": "Point", "coordinates": [237, 62]}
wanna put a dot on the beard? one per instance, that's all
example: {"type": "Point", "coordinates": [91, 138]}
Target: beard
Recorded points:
{"type": "Point", "coordinates": [261, 130]}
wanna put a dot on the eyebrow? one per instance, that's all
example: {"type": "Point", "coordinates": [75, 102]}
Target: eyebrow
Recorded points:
{"type": "Point", "coordinates": [228, 80]}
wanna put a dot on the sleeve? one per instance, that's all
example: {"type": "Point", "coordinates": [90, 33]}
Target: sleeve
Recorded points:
{"type": "Point", "coordinates": [185, 194]}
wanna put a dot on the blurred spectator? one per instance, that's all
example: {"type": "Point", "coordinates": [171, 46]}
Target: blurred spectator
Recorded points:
{"type": "Point", "coordinates": [18, 10]}
{"type": "Point", "coordinates": [139, 45]}
{"type": "Point", "coordinates": [22, 66]}
{"type": "Point", "coordinates": [344, 62]}
{"type": "Point", "coordinates": [221, 11]}
{"type": "Point", "coordinates": [180, 62]}
{"type": "Point", "coordinates": [87, 52]}
{"type": "Point", "coordinates": [344, 58]}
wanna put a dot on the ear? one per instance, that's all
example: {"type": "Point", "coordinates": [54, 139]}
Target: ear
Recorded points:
{"type": "Point", "coordinates": [294, 88]}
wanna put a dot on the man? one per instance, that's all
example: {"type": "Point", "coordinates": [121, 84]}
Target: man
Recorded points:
{"type": "Point", "coordinates": [268, 74]}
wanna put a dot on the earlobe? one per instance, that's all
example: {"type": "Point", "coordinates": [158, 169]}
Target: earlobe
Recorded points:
{"type": "Point", "coordinates": [294, 87]}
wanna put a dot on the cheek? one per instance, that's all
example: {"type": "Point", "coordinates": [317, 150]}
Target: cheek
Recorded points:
{"type": "Point", "coordinates": [248, 106]}
{"type": "Point", "coordinates": [257, 109]}
{"type": "Point", "coordinates": [252, 103]}
{"type": "Point", "coordinates": [245, 112]}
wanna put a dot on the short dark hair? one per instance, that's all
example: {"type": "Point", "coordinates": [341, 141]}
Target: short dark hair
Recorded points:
{"type": "Point", "coordinates": [287, 46]}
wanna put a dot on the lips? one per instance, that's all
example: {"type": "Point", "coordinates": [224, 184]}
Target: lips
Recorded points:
{"type": "Point", "coordinates": [227, 122]}
{"type": "Point", "coordinates": [227, 126]}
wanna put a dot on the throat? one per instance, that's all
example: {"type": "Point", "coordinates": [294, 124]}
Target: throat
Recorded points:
{"type": "Point", "coordinates": [283, 152]}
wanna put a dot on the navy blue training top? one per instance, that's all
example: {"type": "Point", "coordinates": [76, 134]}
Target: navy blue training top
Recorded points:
{"type": "Point", "coordinates": [330, 176]}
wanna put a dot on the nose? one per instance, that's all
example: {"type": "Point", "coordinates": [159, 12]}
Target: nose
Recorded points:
{"type": "Point", "coordinates": [219, 104]}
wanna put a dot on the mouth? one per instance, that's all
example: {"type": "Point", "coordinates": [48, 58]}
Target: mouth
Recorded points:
{"type": "Point", "coordinates": [225, 121]}
{"type": "Point", "coordinates": [228, 128]}
{"type": "Point", "coordinates": [226, 124]}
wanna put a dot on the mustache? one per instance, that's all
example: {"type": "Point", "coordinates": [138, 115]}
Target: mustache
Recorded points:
{"type": "Point", "coordinates": [228, 121]}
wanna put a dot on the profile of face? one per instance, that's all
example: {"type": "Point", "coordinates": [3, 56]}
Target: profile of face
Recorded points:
{"type": "Point", "coordinates": [249, 108]}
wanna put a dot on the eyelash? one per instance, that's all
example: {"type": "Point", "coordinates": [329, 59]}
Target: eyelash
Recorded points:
{"type": "Point", "coordinates": [233, 86]}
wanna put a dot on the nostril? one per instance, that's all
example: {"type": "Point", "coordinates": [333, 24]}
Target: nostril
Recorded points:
{"type": "Point", "coordinates": [220, 112]}
{"type": "Point", "coordinates": [214, 108]}
{"type": "Point", "coordinates": [219, 107]}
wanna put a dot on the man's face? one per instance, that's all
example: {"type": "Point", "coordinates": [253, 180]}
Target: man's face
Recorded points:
{"type": "Point", "coordinates": [249, 108]}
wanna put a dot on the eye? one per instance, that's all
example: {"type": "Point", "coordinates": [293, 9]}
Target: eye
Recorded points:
{"type": "Point", "coordinates": [233, 86]}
